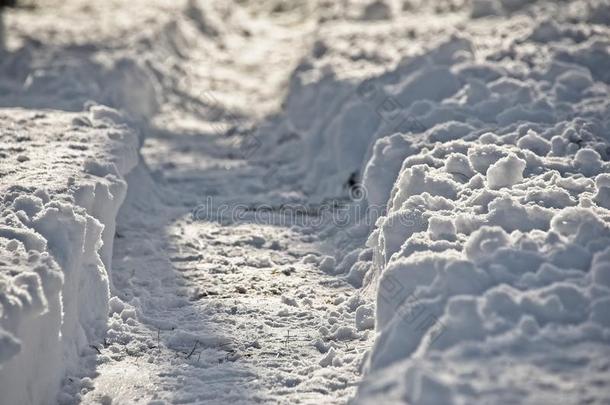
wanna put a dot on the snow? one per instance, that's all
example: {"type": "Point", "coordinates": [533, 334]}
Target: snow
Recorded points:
{"type": "Point", "coordinates": [505, 172]}
{"type": "Point", "coordinates": [365, 317]}
{"type": "Point", "coordinates": [503, 257]}
{"type": "Point", "coordinates": [367, 201]}
{"type": "Point", "coordinates": [57, 228]}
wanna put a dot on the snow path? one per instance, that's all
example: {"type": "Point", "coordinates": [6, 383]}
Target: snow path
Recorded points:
{"type": "Point", "coordinates": [496, 185]}
{"type": "Point", "coordinates": [208, 309]}
{"type": "Point", "coordinates": [232, 310]}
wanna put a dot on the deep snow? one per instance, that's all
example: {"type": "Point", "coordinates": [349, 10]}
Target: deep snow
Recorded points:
{"type": "Point", "coordinates": [493, 161]}
{"type": "Point", "coordinates": [435, 171]}
{"type": "Point", "coordinates": [62, 185]}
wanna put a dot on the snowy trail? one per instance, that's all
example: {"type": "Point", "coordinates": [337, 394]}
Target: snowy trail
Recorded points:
{"type": "Point", "coordinates": [211, 309]}
{"type": "Point", "coordinates": [229, 312]}
{"type": "Point", "coordinates": [474, 132]}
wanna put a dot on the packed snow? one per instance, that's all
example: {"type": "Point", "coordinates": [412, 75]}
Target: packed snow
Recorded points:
{"type": "Point", "coordinates": [62, 185]}
{"type": "Point", "coordinates": [367, 201]}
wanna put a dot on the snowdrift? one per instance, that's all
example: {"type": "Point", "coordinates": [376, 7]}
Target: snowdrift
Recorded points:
{"type": "Point", "coordinates": [493, 255]}
{"type": "Point", "coordinates": [61, 187]}
{"type": "Point", "coordinates": [487, 152]}
{"type": "Point", "coordinates": [491, 162]}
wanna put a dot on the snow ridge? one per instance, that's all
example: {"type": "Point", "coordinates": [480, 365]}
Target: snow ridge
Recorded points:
{"type": "Point", "coordinates": [491, 161]}
{"type": "Point", "coordinates": [62, 186]}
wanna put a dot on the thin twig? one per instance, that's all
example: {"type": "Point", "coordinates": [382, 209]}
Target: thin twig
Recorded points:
{"type": "Point", "coordinates": [193, 350]}
{"type": "Point", "coordinates": [96, 349]}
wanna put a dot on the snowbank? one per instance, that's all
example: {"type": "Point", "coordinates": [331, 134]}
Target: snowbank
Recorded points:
{"type": "Point", "coordinates": [486, 146]}
{"type": "Point", "coordinates": [61, 187]}
{"type": "Point", "coordinates": [508, 258]}
{"type": "Point", "coordinates": [490, 158]}
{"type": "Point", "coordinates": [491, 261]}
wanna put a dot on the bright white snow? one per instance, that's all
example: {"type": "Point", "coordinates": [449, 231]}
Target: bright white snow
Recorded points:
{"type": "Point", "coordinates": [371, 201]}
{"type": "Point", "coordinates": [62, 185]}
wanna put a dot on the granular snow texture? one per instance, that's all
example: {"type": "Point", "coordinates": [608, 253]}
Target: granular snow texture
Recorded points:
{"type": "Point", "coordinates": [490, 262]}
{"type": "Point", "coordinates": [465, 145]}
{"type": "Point", "coordinates": [62, 184]}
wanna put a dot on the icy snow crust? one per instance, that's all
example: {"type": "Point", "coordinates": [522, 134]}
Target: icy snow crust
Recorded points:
{"type": "Point", "coordinates": [61, 187]}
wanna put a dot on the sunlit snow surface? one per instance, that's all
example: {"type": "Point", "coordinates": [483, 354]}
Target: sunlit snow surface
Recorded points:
{"type": "Point", "coordinates": [436, 171]}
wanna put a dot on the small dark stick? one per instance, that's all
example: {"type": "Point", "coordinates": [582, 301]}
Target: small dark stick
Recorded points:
{"type": "Point", "coordinates": [193, 350]}
{"type": "Point", "coordinates": [96, 349]}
